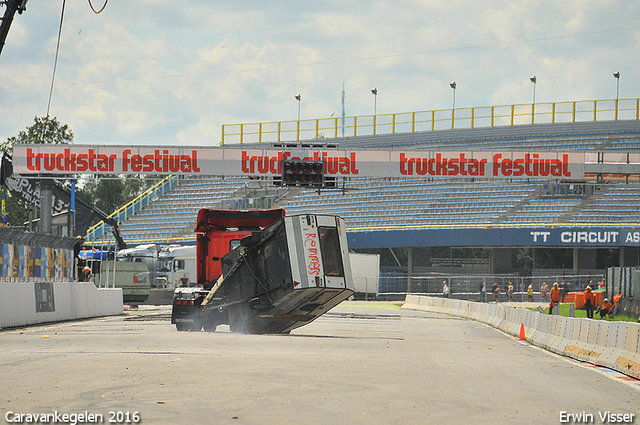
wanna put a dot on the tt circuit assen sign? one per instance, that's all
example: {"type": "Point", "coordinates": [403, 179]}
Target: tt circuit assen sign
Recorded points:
{"type": "Point", "coordinates": [85, 159]}
{"type": "Point", "coordinates": [561, 237]}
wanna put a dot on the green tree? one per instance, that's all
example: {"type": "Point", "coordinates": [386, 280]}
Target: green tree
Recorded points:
{"type": "Point", "coordinates": [43, 130]}
{"type": "Point", "coordinates": [524, 259]}
{"type": "Point", "coordinates": [17, 210]}
{"type": "Point", "coordinates": [111, 192]}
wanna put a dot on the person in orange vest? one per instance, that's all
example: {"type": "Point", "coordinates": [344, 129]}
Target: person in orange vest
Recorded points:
{"type": "Point", "coordinates": [589, 301]}
{"type": "Point", "coordinates": [555, 294]}
{"type": "Point", "coordinates": [605, 308]}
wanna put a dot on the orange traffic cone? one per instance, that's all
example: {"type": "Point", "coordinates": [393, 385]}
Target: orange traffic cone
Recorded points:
{"type": "Point", "coordinates": [522, 336]}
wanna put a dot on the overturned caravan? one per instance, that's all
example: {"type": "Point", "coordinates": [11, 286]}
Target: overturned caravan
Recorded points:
{"type": "Point", "coordinates": [278, 279]}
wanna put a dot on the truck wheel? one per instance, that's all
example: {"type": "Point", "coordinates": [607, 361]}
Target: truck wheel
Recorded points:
{"type": "Point", "coordinates": [188, 327]}
{"type": "Point", "coordinates": [182, 327]}
{"type": "Point", "coordinates": [195, 327]}
{"type": "Point", "coordinates": [210, 327]}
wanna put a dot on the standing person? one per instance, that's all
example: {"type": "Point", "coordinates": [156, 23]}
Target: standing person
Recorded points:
{"type": "Point", "coordinates": [496, 293]}
{"type": "Point", "coordinates": [530, 293]}
{"type": "Point", "coordinates": [589, 301]}
{"type": "Point", "coordinates": [544, 291]}
{"type": "Point", "coordinates": [184, 281]}
{"type": "Point", "coordinates": [445, 289]}
{"type": "Point", "coordinates": [510, 292]}
{"type": "Point", "coordinates": [564, 289]}
{"type": "Point", "coordinates": [555, 294]}
{"type": "Point", "coordinates": [483, 292]}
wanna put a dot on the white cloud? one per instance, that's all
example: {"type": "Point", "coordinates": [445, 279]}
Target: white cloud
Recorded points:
{"type": "Point", "coordinates": [150, 72]}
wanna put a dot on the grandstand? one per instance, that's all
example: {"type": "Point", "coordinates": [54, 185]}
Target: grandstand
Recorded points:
{"type": "Point", "coordinates": [427, 212]}
{"type": "Point", "coordinates": [384, 202]}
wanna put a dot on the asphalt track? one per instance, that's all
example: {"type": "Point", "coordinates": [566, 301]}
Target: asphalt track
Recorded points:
{"type": "Point", "coordinates": [355, 365]}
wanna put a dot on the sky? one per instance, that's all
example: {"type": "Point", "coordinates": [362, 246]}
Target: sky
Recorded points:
{"type": "Point", "coordinates": [160, 72]}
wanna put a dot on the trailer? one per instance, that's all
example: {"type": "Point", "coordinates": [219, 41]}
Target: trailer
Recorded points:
{"type": "Point", "coordinates": [281, 273]}
{"type": "Point", "coordinates": [176, 266]}
{"type": "Point", "coordinates": [105, 272]}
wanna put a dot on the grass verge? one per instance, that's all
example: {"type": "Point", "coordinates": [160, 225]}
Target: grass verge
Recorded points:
{"type": "Point", "coordinates": [565, 308]}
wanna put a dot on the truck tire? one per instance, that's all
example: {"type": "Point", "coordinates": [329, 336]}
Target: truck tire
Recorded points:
{"type": "Point", "coordinates": [189, 327]}
{"type": "Point", "coordinates": [210, 327]}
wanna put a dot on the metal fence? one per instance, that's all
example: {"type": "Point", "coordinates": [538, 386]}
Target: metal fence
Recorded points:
{"type": "Point", "coordinates": [395, 284]}
{"type": "Point", "coordinates": [625, 281]}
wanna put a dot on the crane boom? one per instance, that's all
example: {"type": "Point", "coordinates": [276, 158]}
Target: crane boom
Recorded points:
{"type": "Point", "coordinates": [12, 6]}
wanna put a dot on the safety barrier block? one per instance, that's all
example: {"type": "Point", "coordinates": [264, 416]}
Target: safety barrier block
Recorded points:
{"type": "Point", "coordinates": [473, 310]}
{"type": "Point", "coordinates": [563, 331]}
{"type": "Point", "coordinates": [411, 301]}
{"type": "Point", "coordinates": [531, 326]}
{"type": "Point", "coordinates": [550, 331]}
{"type": "Point", "coordinates": [514, 315]}
{"type": "Point", "coordinates": [494, 314]}
{"type": "Point", "coordinates": [602, 341]}
{"type": "Point", "coordinates": [590, 351]}
{"type": "Point", "coordinates": [438, 303]}
{"type": "Point", "coordinates": [483, 315]}
{"type": "Point", "coordinates": [500, 315]}
{"type": "Point", "coordinates": [489, 313]}
{"type": "Point", "coordinates": [616, 340]}
{"type": "Point", "coordinates": [466, 310]}
{"type": "Point", "coordinates": [629, 362]}
{"type": "Point", "coordinates": [556, 329]}
{"type": "Point", "coordinates": [506, 323]}
{"type": "Point", "coordinates": [542, 329]}
{"type": "Point", "coordinates": [574, 345]}
{"type": "Point", "coordinates": [512, 318]}
{"type": "Point", "coordinates": [455, 307]}
{"type": "Point", "coordinates": [478, 311]}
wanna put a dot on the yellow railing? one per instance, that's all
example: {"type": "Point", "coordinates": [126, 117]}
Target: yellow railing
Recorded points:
{"type": "Point", "coordinates": [134, 206]}
{"type": "Point", "coordinates": [404, 122]}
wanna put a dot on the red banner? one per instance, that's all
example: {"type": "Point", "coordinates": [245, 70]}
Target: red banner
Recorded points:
{"type": "Point", "coordinates": [84, 159]}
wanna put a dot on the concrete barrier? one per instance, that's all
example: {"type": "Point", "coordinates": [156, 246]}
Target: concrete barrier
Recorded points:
{"type": "Point", "coordinates": [629, 362]}
{"type": "Point", "coordinates": [33, 302]}
{"type": "Point", "coordinates": [615, 345]}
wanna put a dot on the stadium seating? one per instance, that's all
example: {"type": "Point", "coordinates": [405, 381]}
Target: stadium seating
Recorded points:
{"type": "Point", "coordinates": [384, 202]}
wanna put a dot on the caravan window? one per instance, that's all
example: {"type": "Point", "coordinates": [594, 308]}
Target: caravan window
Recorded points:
{"type": "Point", "coordinates": [331, 254]}
{"type": "Point", "coordinates": [178, 265]}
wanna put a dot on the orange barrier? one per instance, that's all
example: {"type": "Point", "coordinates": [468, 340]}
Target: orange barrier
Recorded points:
{"type": "Point", "coordinates": [579, 298]}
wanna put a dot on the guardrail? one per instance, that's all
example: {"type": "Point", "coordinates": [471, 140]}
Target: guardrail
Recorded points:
{"type": "Point", "coordinates": [438, 119]}
{"type": "Point", "coordinates": [131, 208]}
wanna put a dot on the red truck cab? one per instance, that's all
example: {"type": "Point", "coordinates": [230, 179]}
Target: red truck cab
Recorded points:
{"type": "Point", "coordinates": [220, 231]}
